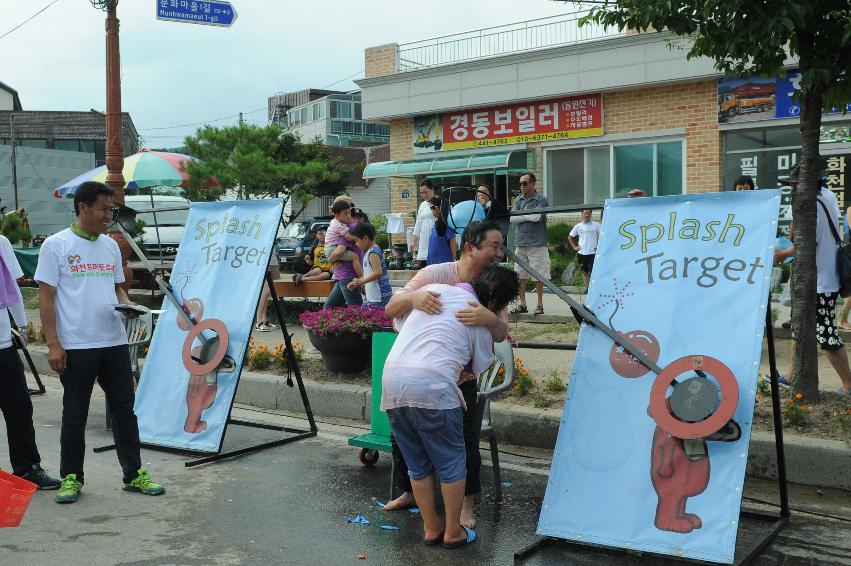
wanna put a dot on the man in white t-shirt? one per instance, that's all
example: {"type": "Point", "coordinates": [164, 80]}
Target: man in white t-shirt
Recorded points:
{"type": "Point", "coordinates": [588, 232]}
{"type": "Point", "coordinates": [15, 403]}
{"type": "Point", "coordinates": [424, 403]}
{"type": "Point", "coordinates": [80, 275]}
{"type": "Point", "coordinates": [827, 284]}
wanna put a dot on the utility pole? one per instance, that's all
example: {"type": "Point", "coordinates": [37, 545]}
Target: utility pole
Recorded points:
{"type": "Point", "coordinates": [14, 159]}
{"type": "Point", "coordinates": [240, 119]}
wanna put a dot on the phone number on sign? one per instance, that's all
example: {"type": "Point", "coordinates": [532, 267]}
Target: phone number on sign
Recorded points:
{"type": "Point", "coordinates": [530, 138]}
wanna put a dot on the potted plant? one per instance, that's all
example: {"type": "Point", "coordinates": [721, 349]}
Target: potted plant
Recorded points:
{"type": "Point", "coordinates": [342, 335]}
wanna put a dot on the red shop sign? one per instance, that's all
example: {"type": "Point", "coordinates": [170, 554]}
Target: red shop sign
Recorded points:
{"type": "Point", "coordinates": [555, 119]}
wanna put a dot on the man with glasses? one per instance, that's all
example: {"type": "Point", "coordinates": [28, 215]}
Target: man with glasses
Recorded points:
{"type": "Point", "coordinates": [80, 275]}
{"type": "Point", "coordinates": [531, 240]}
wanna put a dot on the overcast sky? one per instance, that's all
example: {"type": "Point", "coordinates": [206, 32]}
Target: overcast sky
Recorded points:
{"type": "Point", "coordinates": [176, 73]}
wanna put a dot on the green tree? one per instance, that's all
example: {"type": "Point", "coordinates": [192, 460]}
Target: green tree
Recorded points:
{"type": "Point", "coordinates": [744, 37]}
{"type": "Point", "coordinates": [262, 161]}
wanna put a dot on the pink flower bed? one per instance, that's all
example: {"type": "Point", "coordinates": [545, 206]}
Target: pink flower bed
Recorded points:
{"type": "Point", "coordinates": [353, 318]}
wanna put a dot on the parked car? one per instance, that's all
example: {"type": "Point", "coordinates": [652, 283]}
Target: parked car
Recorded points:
{"type": "Point", "coordinates": [163, 230]}
{"type": "Point", "coordinates": [295, 240]}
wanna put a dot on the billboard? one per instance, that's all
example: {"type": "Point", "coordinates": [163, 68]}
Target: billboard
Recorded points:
{"type": "Point", "coordinates": [652, 462]}
{"type": "Point", "coordinates": [761, 98]}
{"type": "Point", "coordinates": [191, 372]}
{"type": "Point", "coordinates": [543, 120]}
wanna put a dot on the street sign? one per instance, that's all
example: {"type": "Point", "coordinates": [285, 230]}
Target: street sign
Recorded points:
{"type": "Point", "coordinates": [215, 13]}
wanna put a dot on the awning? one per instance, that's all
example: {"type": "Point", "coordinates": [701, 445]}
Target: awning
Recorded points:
{"type": "Point", "coordinates": [514, 161]}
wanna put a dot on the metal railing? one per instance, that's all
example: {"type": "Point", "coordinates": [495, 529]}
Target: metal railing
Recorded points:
{"type": "Point", "coordinates": [356, 127]}
{"type": "Point", "coordinates": [520, 37]}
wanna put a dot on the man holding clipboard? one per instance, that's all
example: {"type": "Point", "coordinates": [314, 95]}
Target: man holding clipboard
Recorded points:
{"type": "Point", "coordinates": [80, 275]}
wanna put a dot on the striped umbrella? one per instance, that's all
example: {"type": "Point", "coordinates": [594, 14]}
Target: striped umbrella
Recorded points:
{"type": "Point", "coordinates": [144, 169]}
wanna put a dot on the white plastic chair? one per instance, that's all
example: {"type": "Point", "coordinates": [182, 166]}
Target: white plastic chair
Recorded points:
{"type": "Point", "coordinates": [503, 358]}
{"type": "Point", "coordinates": [139, 331]}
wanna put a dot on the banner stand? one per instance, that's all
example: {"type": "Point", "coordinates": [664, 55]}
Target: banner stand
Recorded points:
{"type": "Point", "coordinates": [778, 522]}
{"type": "Point", "coordinates": [299, 434]}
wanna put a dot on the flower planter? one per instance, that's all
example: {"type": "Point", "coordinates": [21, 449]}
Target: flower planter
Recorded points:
{"type": "Point", "coordinates": [345, 352]}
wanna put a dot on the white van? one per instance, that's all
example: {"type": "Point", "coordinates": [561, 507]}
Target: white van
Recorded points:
{"type": "Point", "coordinates": [163, 230]}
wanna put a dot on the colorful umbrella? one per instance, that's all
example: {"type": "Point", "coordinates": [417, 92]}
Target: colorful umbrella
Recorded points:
{"type": "Point", "coordinates": [144, 169]}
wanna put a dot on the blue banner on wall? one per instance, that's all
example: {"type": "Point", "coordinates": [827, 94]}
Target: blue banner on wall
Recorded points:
{"type": "Point", "coordinates": [191, 373]}
{"type": "Point", "coordinates": [685, 279]}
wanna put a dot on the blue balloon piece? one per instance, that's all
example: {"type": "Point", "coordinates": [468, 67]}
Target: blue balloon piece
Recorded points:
{"type": "Point", "coordinates": [784, 243]}
{"type": "Point", "coordinates": [463, 213]}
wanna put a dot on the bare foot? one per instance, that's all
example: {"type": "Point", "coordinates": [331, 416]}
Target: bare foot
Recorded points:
{"type": "Point", "coordinates": [468, 509]}
{"type": "Point", "coordinates": [845, 325]}
{"type": "Point", "coordinates": [402, 502]}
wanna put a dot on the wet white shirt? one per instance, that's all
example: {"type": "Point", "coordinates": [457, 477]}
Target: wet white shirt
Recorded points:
{"type": "Point", "coordinates": [431, 350]}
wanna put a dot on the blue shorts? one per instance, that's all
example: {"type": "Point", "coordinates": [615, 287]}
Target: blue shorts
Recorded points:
{"type": "Point", "coordinates": [431, 439]}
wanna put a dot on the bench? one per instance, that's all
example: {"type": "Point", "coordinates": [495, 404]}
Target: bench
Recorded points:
{"type": "Point", "coordinates": [304, 289]}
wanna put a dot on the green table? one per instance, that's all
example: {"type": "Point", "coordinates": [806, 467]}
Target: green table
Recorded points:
{"type": "Point", "coordinates": [28, 258]}
{"type": "Point", "coordinates": [378, 439]}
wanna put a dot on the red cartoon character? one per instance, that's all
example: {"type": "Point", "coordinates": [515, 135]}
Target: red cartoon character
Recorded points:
{"type": "Point", "coordinates": [203, 362]}
{"type": "Point", "coordinates": [693, 414]}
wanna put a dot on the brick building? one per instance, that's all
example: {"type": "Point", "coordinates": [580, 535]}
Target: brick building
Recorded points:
{"type": "Point", "coordinates": [592, 113]}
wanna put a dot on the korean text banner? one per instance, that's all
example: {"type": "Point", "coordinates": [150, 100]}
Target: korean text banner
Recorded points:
{"type": "Point", "coordinates": [542, 120]}
{"type": "Point", "coordinates": [191, 373]}
{"type": "Point", "coordinates": [684, 279]}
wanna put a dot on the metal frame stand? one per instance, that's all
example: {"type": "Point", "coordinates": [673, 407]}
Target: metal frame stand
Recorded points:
{"type": "Point", "coordinates": [41, 390]}
{"type": "Point", "coordinates": [779, 522]}
{"type": "Point", "coordinates": [294, 369]}
{"type": "Point", "coordinates": [19, 344]}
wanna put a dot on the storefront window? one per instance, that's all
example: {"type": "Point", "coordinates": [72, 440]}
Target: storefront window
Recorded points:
{"type": "Point", "coordinates": [566, 174]}
{"type": "Point", "coordinates": [669, 167]}
{"type": "Point", "coordinates": [584, 175]}
{"type": "Point", "coordinates": [768, 153]}
{"type": "Point", "coordinates": [599, 173]}
{"type": "Point", "coordinates": [633, 168]}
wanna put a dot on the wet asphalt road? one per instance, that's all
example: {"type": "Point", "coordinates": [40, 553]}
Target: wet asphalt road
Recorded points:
{"type": "Point", "coordinates": [289, 504]}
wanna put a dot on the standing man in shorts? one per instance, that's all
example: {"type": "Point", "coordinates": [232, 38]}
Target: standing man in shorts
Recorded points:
{"type": "Point", "coordinates": [588, 232]}
{"type": "Point", "coordinates": [827, 285]}
{"type": "Point", "coordinates": [531, 240]}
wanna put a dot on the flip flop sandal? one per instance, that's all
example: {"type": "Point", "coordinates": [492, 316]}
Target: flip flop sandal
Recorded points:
{"type": "Point", "coordinates": [519, 309]}
{"type": "Point", "coordinates": [539, 310]}
{"type": "Point", "coordinates": [471, 537]}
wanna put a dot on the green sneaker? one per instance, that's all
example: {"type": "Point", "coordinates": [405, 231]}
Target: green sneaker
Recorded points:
{"type": "Point", "coordinates": [143, 484]}
{"type": "Point", "coordinates": [69, 491]}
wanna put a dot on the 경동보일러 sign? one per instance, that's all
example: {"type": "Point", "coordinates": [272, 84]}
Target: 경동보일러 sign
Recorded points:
{"type": "Point", "coordinates": [191, 373]}
{"type": "Point", "coordinates": [657, 462]}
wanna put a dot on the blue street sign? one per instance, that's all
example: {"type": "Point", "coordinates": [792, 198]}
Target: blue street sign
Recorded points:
{"type": "Point", "coordinates": [214, 13]}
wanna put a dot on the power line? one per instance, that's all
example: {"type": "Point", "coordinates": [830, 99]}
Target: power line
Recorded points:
{"type": "Point", "coordinates": [347, 78]}
{"type": "Point", "coordinates": [28, 19]}
{"type": "Point", "coordinates": [202, 123]}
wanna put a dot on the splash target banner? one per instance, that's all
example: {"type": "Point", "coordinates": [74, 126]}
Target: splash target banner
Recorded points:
{"type": "Point", "coordinates": [651, 462]}
{"type": "Point", "coordinates": [192, 371]}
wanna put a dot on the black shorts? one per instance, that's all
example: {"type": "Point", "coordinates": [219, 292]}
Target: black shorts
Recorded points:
{"type": "Point", "coordinates": [827, 335]}
{"type": "Point", "coordinates": [586, 262]}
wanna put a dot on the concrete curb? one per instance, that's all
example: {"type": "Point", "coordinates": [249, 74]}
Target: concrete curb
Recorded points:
{"type": "Point", "coordinates": [809, 461]}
